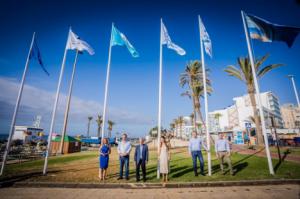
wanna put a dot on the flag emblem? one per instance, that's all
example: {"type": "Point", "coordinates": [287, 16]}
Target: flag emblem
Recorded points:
{"type": "Point", "coordinates": [119, 39]}
{"type": "Point", "coordinates": [166, 39]}
{"type": "Point", "coordinates": [75, 43]}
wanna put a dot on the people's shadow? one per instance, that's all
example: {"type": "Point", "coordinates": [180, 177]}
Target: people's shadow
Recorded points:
{"type": "Point", "coordinates": [180, 171]}
{"type": "Point", "coordinates": [239, 167]}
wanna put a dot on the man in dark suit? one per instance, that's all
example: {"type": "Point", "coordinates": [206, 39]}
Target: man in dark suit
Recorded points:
{"type": "Point", "coordinates": [141, 159]}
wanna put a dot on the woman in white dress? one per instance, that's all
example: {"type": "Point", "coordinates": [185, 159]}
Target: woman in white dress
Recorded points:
{"type": "Point", "coordinates": [164, 158]}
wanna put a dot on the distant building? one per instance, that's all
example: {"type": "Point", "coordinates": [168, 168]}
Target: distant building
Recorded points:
{"type": "Point", "coordinates": [185, 129]}
{"type": "Point", "coordinates": [236, 116]}
{"type": "Point", "coordinates": [26, 133]}
{"type": "Point", "coordinates": [291, 116]}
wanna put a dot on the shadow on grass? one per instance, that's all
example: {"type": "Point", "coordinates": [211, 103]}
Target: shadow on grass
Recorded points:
{"type": "Point", "coordinates": [9, 181]}
{"type": "Point", "coordinates": [281, 160]}
{"type": "Point", "coordinates": [180, 171]}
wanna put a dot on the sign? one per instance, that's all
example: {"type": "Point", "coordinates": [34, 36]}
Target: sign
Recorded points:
{"type": "Point", "coordinates": [248, 125]}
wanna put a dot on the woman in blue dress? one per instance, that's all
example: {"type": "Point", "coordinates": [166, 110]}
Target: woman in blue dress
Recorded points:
{"type": "Point", "coordinates": [104, 152]}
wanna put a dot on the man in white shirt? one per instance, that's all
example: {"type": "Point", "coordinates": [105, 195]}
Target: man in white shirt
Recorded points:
{"type": "Point", "coordinates": [124, 148]}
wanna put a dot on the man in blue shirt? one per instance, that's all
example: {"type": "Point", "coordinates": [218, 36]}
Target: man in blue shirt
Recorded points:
{"type": "Point", "coordinates": [124, 148]}
{"type": "Point", "coordinates": [141, 159]}
{"type": "Point", "coordinates": [222, 149]}
{"type": "Point", "coordinates": [195, 145]}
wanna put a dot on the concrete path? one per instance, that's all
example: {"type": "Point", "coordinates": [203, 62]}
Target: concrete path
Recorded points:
{"type": "Point", "coordinates": [245, 192]}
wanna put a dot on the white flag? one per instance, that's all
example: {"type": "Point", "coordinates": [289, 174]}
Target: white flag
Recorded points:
{"type": "Point", "coordinates": [74, 42]}
{"type": "Point", "coordinates": [167, 40]}
{"type": "Point", "coordinates": [205, 38]}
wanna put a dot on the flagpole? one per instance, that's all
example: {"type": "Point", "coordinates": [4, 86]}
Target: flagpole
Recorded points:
{"type": "Point", "coordinates": [13, 122]}
{"type": "Point", "coordinates": [68, 106]}
{"type": "Point", "coordinates": [205, 101]}
{"type": "Point", "coordinates": [106, 85]}
{"type": "Point", "coordinates": [54, 109]}
{"type": "Point", "coordinates": [159, 98]}
{"type": "Point", "coordinates": [263, 125]}
{"type": "Point", "coordinates": [291, 77]}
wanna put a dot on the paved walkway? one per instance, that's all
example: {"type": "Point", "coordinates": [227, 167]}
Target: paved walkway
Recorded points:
{"type": "Point", "coordinates": [241, 149]}
{"type": "Point", "coordinates": [245, 192]}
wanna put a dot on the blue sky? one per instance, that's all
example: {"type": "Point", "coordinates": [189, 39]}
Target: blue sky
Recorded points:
{"type": "Point", "coordinates": [133, 91]}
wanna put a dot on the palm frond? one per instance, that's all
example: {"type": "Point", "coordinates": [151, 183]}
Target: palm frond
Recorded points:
{"type": "Point", "coordinates": [268, 68]}
{"type": "Point", "coordinates": [233, 71]}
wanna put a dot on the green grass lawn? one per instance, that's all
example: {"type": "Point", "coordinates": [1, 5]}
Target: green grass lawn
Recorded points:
{"type": "Point", "coordinates": [83, 167]}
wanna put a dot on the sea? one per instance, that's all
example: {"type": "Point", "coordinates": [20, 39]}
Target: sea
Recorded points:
{"type": "Point", "coordinates": [3, 137]}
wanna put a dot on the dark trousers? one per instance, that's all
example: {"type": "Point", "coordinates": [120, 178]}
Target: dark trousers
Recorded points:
{"type": "Point", "coordinates": [195, 155]}
{"type": "Point", "coordinates": [139, 164]}
{"type": "Point", "coordinates": [124, 160]}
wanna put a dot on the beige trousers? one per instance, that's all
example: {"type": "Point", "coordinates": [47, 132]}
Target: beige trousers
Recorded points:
{"type": "Point", "coordinates": [224, 156]}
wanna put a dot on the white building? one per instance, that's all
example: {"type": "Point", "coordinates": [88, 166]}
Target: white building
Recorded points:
{"type": "Point", "coordinates": [25, 133]}
{"type": "Point", "coordinates": [291, 116]}
{"type": "Point", "coordinates": [185, 129]}
{"type": "Point", "coordinates": [235, 117]}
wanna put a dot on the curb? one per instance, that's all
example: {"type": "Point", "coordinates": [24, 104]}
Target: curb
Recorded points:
{"type": "Point", "coordinates": [147, 185]}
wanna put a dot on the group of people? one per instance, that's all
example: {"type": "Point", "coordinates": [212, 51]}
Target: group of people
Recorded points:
{"type": "Point", "coordinates": [141, 156]}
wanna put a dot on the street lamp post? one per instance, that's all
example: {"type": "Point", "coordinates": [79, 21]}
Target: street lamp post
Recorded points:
{"type": "Point", "coordinates": [291, 77]}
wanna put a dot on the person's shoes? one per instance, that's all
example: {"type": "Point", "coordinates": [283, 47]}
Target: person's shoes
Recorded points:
{"type": "Point", "coordinates": [196, 174]}
{"type": "Point", "coordinates": [202, 173]}
{"type": "Point", "coordinates": [119, 178]}
{"type": "Point", "coordinates": [127, 178]}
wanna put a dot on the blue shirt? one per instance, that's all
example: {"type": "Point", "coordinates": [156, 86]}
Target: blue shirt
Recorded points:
{"type": "Point", "coordinates": [141, 151]}
{"type": "Point", "coordinates": [222, 145]}
{"type": "Point", "coordinates": [195, 144]}
{"type": "Point", "coordinates": [124, 147]}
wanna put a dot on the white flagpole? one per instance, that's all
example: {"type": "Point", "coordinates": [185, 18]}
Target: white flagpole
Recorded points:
{"type": "Point", "coordinates": [13, 122]}
{"type": "Point", "coordinates": [68, 106]}
{"type": "Point", "coordinates": [205, 102]}
{"type": "Point", "coordinates": [295, 89]}
{"type": "Point", "coordinates": [261, 113]}
{"type": "Point", "coordinates": [106, 86]}
{"type": "Point", "coordinates": [54, 108]}
{"type": "Point", "coordinates": [159, 97]}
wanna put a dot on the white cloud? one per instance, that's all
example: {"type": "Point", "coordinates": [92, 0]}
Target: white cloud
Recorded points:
{"type": "Point", "coordinates": [36, 101]}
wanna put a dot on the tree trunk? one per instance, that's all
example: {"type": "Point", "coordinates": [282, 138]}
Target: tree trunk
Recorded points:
{"type": "Point", "coordinates": [194, 121]}
{"type": "Point", "coordinates": [88, 130]}
{"type": "Point", "coordinates": [197, 108]}
{"type": "Point", "coordinates": [98, 132]}
{"type": "Point", "coordinates": [195, 116]}
{"type": "Point", "coordinates": [256, 117]}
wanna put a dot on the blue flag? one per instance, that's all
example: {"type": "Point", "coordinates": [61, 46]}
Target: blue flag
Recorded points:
{"type": "Point", "coordinates": [120, 39]}
{"type": "Point", "coordinates": [36, 54]}
{"type": "Point", "coordinates": [267, 32]}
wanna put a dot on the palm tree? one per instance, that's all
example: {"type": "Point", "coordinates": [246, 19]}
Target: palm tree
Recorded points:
{"type": "Point", "coordinates": [193, 121]}
{"type": "Point", "coordinates": [244, 73]}
{"type": "Point", "coordinates": [110, 127]}
{"type": "Point", "coordinates": [172, 127]}
{"type": "Point", "coordinates": [176, 128]}
{"type": "Point", "coordinates": [217, 117]}
{"type": "Point", "coordinates": [99, 121]}
{"type": "Point", "coordinates": [180, 121]}
{"type": "Point", "coordinates": [193, 78]}
{"type": "Point", "coordinates": [89, 124]}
